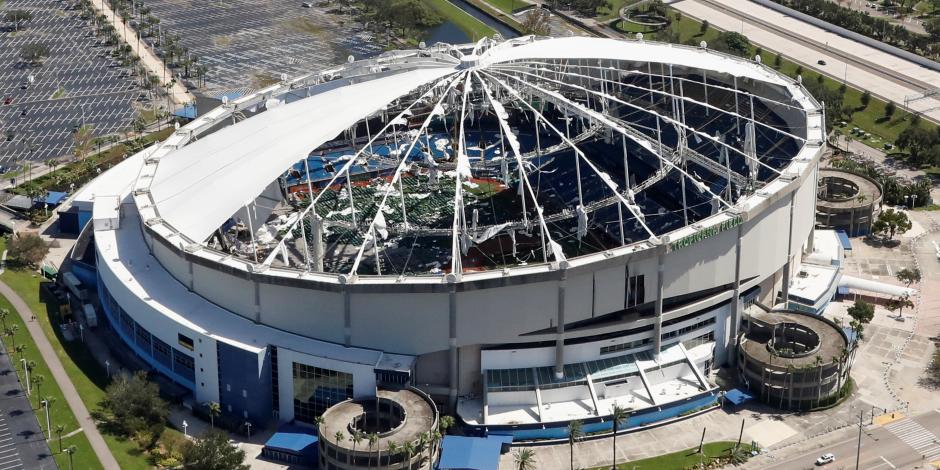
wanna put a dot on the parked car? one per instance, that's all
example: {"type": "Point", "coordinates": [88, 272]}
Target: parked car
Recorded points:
{"type": "Point", "coordinates": [826, 459]}
{"type": "Point", "coordinates": [306, 4]}
{"type": "Point", "coordinates": [7, 99]}
{"type": "Point", "coordinates": [821, 62]}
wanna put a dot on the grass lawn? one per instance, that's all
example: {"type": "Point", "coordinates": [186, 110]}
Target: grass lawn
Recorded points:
{"type": "Point", "coordinates": [683, 459]}
{"type": "Point", "coordinates": [60, 413]}
{"type": "Point", "coordinates": [604, 13]}
{"type": "Point", "coordinates": [89, 378]}
{"type": "Point", "coordinates": [508, 6]}
{"type": "Point", "coordinates": [871, 119]}
{"type": "Point", "coordinates": [473, 27]}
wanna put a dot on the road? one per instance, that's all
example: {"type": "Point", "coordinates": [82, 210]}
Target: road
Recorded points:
{"type": "Point", "coordinates": [903, 444]}
{"type": "Point", "coordinates": [62, 379]}
{"type": "Point", "coordinates": [863, 67]}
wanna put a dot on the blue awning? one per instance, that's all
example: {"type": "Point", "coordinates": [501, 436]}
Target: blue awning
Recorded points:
{"type": "Point", "coordinates": [54, 198]}
{"type": "Point", "coordinates": [849, 333]}
{"type": "Point", "coordinates": [737, 396]}
{"type": "Point", "coordinates": [844, 240]}
{"type": "Point", "coordinates": [292, 439]}
{"type": "Point", "coordinates": [471, 453]}
{"type": "Point", "coordinates": [842, 290]}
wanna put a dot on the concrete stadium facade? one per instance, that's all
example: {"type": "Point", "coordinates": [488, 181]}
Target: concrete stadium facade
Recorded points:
{"type": "Point", "coordinates": [250, 335]}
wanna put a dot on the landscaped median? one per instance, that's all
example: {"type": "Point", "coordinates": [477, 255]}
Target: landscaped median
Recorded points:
{"type": "Point", "coordinates": [60, 414]}
{"type": "Point", "coordinates": [713, 455]}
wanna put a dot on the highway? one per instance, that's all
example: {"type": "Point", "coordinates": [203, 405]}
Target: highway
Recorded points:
{"type": "Point", "coordinates": [863, 67]}
{"type": "Point", "coordinates": [903, 444]}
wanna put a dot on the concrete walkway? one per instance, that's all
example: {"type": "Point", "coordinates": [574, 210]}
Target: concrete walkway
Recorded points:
{"type": "Point", "coordinates": [178, 92]}
{"type": "Point", "coordinates": [58, 372]}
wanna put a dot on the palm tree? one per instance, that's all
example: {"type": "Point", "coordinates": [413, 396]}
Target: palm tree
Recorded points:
{"type": "Point", "coordinates": [37, 381]}
{"type": "Point", "coordinates": [373, 439]}
{"type": "Point", "coordinates": [392, 450]}
{"type": "Point", "coordinates": [525, 459]}
{"type": "Point", "coordinates": [4, 313]}
{"type": "Point", "coordinates": [10, 332]}
{"type": "Point", "coordinates": [408, 448]}
{"type": "Point", "coordinates": [445, 423]}
{"type": "Point", "coordinates": [617, 414]}
{"type": "Point", "coordinates": [19, 350]}
{"type": "Point", "coordinates": [340, 437]}
{"type": "Point", "coordinates": [356, 438]}
{"type": "Point", "coordinates": [70, 450]}
{"type": "Point", "coordinates": [59, 429]}
{"type": "Point", "coordinates": [52, 163]}
{"type": "Point", "coordinates": [214, 409]}
{"type": "Point", "coordinates": [435, 439]}
{"type": "Point", "coordinates": [575, 433]}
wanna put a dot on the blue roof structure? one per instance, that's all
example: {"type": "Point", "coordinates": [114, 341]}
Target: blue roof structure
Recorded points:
{"type": "Point", "coordinates": [844, 240]}
{"type": "Point", "coordinates": [54, 198]}
{"type": "Point", "coordinates": [187, 112]}
{"type": "Point", "coordinates": [293, 439]}
{"type": "Point", "coordinates": [737, 396]}
{"type": "Point", "coordinates": [471, 453]}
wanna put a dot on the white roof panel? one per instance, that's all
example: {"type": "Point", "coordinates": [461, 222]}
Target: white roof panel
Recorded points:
{"type": "Point", "coordinates": [198, 187]}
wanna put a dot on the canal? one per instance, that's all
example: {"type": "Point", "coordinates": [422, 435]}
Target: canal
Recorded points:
{"type": "Point", "coordinates": [449, 32]}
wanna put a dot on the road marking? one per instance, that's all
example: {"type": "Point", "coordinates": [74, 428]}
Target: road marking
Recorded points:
{"type": "Point", "coordinates": [916, 436]}
{"type": "Point", "coordinates": [887, 462]}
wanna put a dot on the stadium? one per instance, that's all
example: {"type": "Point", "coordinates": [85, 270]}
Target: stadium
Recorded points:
{"type": "Point", "coordinates": [528, 231]}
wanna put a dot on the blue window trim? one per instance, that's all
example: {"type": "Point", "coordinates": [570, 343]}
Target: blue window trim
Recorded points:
{"type": "Point", "coordinates": [131, 343]}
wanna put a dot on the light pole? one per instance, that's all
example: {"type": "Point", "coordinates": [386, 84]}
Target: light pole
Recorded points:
{"type": "Point", "coordinates": [45, 404]}
{"type": "Point", "coordinates": [26, 369]}
{"type": "Point", "coordinates": [185, 425]}
{"type": "Point", "coordinates": [248, 425]}
{"type": "Point", "coordinates": [107, 365]}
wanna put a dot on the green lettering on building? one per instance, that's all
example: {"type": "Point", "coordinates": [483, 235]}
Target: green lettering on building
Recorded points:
{"type": "Point", "coordinates": [705, 233]}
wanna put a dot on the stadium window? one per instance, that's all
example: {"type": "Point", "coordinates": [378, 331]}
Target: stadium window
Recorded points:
{"type": "Point", "coordinates": [636, 290]}
{"type": "Point", "coordinates": [186, 342]}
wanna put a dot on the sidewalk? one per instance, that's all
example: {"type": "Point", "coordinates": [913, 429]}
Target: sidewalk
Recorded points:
{"type": "Point", "coordinates": [178, 92]}
{"type": "Point", "coordinates": [62, 379]}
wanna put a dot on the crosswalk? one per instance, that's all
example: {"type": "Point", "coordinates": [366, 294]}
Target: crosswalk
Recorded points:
{"type": "Point", "coordinates": [9, 456]}
{"type": "Point", "coordinates": [918, 437]}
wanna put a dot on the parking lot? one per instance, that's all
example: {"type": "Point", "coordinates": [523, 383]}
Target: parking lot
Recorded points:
{"type": "Point", "coordinates": [247, 43]}
{"type": "Point", "coordinates": [78, 83]}
{"type": "Point", "coordinates": [22, 444]}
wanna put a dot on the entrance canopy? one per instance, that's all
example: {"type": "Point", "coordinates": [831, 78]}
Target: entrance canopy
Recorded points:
{"type": "Point", "coordinates": [471, 453]}
{"type": "Point", "coordinates": [737, 396]}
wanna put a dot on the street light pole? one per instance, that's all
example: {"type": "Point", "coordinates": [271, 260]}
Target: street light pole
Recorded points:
{"type": "Point", "coordinates": [107, 365]}
{"type": "Point", "coordinates": [185, 425]}
{"type": "Point", "coordinates": [858, 449]}
{"type": "Point", "coordinates": [26, 369]}
{"type": "Point", "coordinates": [248, 425]}
{"type": "Point", "coordinates": [45, 404]}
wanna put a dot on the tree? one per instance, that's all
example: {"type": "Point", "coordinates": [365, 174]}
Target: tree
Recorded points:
{"type": "Point", "coordinates": [134, 405]}
{"type": "Point", "coordinates": [71, 451]}
{"type": "Point", "coordinates": [524, 459]}
{"type": "Point", "coordinates": [373, 439]}
{"type": "Point", "coordinates": [19, 349]}
{"type": "Point", "coordinates": [4, 313]}
{"type": "Point", "coordinates": [891, 223]}
{"type": "Point", "coordinates": [18, 17]}
{"type": "Point", "coordinates": [862, 312]}
{"type": "Point", "coordinates": [865, 99]}
{"type": "Point", "coordinates": [890, 108]}
{"type": "Point", "coordinates": [37, 380]}
{"type": "Point", "coordinates": [618, 414]}
{"type": "Point", "coordinates": [28, 249]}
{"type": "Point", "coordinates": [899, 304]}
{"type": "Point", "coordinates": [10, 332]}
{"type": "Point", "coordinates": [59, 429]}
{"type": "Point", "coordinates": [536, 22]}
{"type": "Point", "coordinates": [778, 60]}
{"type": "Point", "coordinates": [908, 276]}
{"type": "Point", "coordinates": [445, 423]}
{"type": "Point", "coordinates": [408, 448]}
{"type": "Point", "coordinates": [733, 43]}
{"type": "Point", "coordinates": [214, 409]}
{"type": "Point", "coordinates": [212, 451]}
{"type": "Point", "coordinates": [916, 140]}
{"type": "Point", "coordinates": [34, 52]}
{"type": "Point", "coordinates": [82, 141]}
{"type": "Point", "coordinates": [575, 433]}
{"type": "Point", "coordinates": [932, 26]}
{"type": "Point", "coordinates": [703, 28]}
